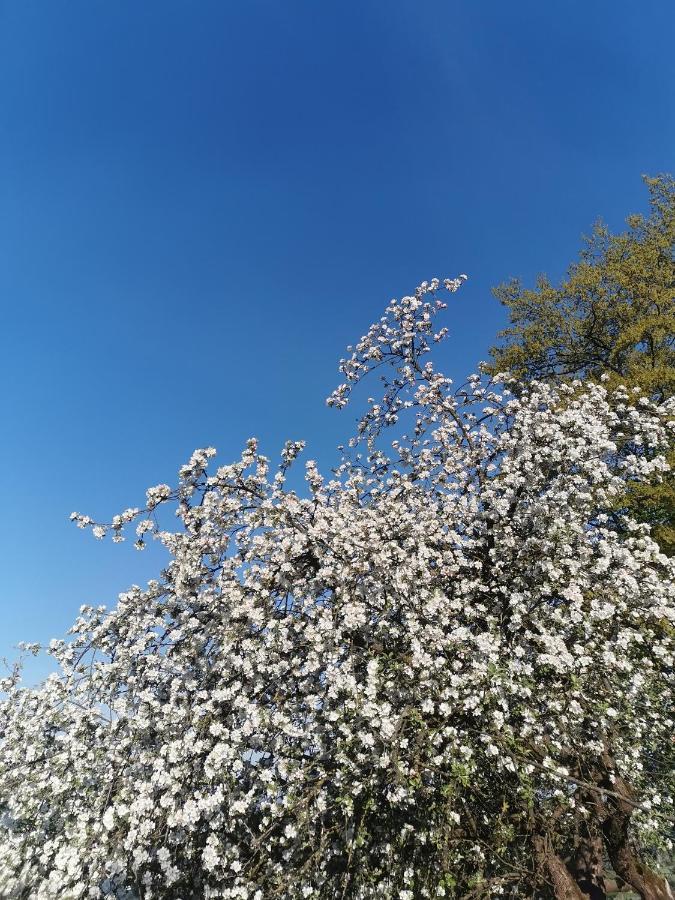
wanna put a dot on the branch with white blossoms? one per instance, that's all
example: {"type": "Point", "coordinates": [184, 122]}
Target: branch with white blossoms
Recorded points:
{"type": "Point", "coordinates": [435, 673]}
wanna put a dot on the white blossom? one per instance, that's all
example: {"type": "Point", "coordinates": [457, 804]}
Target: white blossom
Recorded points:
{"type": "Point", "coordinates": [386, 686]}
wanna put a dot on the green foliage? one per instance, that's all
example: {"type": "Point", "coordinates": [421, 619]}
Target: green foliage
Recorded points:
{"type": "Point", "coordinates": [613, 315]}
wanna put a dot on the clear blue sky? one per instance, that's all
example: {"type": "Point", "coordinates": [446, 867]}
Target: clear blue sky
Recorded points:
{"type": "Point", "coordinates": [203, 202]}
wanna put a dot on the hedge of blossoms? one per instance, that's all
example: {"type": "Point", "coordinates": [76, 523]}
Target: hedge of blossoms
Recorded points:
{"type": "Point", "coordinates": [442, 672]}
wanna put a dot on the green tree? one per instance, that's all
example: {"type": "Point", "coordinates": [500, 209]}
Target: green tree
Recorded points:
{"type": "Point", "coordinates": [613, 316]}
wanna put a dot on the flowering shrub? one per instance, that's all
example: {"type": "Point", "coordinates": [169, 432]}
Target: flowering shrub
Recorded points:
{"type": "Point", "coordinates": [442, 672]}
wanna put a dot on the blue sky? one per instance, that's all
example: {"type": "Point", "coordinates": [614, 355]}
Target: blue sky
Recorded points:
{"type": "Point", "coordinates": [202, 203]}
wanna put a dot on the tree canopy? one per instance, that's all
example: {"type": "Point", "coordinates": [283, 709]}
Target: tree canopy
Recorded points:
{"type": "Point", "coordinates": [613, 315]}
{"type": "Point", "coordinates": [441, 672]}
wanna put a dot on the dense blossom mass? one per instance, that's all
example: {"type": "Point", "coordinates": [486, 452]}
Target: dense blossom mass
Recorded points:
{"type": "Point", "coordinates": [443, 671]}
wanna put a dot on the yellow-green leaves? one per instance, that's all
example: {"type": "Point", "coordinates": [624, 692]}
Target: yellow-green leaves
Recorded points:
{"type": "Point", "coordinates": [613, 316]}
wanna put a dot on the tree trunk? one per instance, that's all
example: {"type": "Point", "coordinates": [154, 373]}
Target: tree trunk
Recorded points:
{"type": "Point", "coordinates": [564, 885]}
{"type": "Point", "coordinates": [627, 863]}
{"type": "Point", "coordinates": [587, 866]}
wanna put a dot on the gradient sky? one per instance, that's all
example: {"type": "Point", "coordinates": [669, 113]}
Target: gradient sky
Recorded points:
{"type": "Point", "coordinates": [202, 203]}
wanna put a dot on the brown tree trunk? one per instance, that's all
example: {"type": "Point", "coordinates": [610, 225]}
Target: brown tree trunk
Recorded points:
{"type": "Point", "coordinates": [627, 863]}
{"type": "Point", "coordinates": [587, 866]}
{"type": "Point", "coordinates": [564, 885]}
{"type": "Point", "coordinates": [625, 859]}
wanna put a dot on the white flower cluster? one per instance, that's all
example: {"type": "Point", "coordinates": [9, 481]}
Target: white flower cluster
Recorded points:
{"type": "Point", "coordinates": [386, 688]}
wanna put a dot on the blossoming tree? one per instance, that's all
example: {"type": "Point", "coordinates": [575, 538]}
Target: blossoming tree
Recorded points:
{"type": "Point", "coordinates": [439, 672]}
